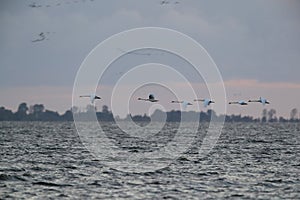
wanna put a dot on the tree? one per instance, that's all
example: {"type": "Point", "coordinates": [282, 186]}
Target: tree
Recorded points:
{"type": "Point", "coordinates": [36, 111]}
{"type": "Point", "coordinates": [90, 109]}
{"type": "Point", "coordinates": [105, 109]}
{"type": "Point", "coordinates": [211, 113]}
{"type": "Point", "coordinates": [22, 108]}
{"type": "Point", "coordinates": [159, 116]}
{"type": "Point", "coordinates": [30, 109]}
{"type": "Point", "coordinates": [49, 115]}
{"type": "Point", "coordinates": [21, 114]}
{"type": "Point", "coordinates": [264, 115]}
{"type": "Point", "coordinates": [271, 115]}
{"type": "Point", "coordinates": [68, 115]}
{"type": "Point", "coordinates": [6, 114]}
{"type": "Point", "coordinates": [293, 115]}
{"type": "Point", "coordinates": [74, 109]}
{"type": "Point", "coordinates": [105, 115]}
{"type": "Point", "coordinates": [38, 108]}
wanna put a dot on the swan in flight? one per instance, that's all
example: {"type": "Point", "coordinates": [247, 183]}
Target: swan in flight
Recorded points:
{"type": "Point", "coordinates": [42, 37]}
{"type": "Point", "coordinates": [164, 2]}
{"type": "Point", "coordinates": [206, 102]}
{"type": "Point", "coordinates": [92, 97]}
{"type": "Point", "coordinates": [243, 103]}
{"type": "Point", "coordinates": [185, 104]}
{"type": "Point", "coordinates": [151, 98]}
{"type": "Point", "coordinates": [260, 100]}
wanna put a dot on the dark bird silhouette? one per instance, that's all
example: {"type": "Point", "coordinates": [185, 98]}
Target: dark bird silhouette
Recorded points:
{"type": "Point", "coordinates": [42, 37]}
{"type": "Point", "coordinates": [151, 98]}
{"type": "Point", "coordinates": [183, 102]}
{"type": "Point", "coordinates": [33, 5]}
{"type": "Point", "coordinates": [164, 2]}
{"type": "Point", "coordinates": [242, 103]}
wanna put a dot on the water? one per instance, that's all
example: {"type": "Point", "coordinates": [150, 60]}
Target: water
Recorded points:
{"type": "Point", "coordinates": [47, 160]}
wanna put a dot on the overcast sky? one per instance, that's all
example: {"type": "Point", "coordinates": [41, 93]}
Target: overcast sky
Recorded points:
{"type": "Point", "coordinates": [255, 45]}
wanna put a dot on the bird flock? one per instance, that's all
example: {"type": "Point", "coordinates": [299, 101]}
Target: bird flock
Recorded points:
{"type": "Point", "coordinates": [39, 5]}
{"type": "Point", "coordinates": [42, 36]}
{"type": "Point", "coordinates": [206, 102]}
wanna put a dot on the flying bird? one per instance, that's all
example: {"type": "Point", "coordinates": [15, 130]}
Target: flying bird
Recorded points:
{"type": "Point", "coordinates": [261, 100]}
{"type": "Point", "coordinates": [92, 97]}
{"type": "Point", "coordinates": [164, 2]}
{"type": "Point", "coordinates": [243, 103]}
{"type": "Point", "coordinates": [151, 98]}
{"type": "Point", "coordinates": [206, 102]}
{"type": "Point", "coordinates": [42, 37]}
{"type": "Point", "coordinates": [33, 5]}
{"type": "Point", "coordinates": [185, 104]}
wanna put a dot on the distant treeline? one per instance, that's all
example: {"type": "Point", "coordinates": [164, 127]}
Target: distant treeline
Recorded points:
{"type": "Point", "coordinates": [38, 112]}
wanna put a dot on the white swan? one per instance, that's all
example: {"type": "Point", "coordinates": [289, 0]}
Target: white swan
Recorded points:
{"type": "Point", "coordinates": [260, 100]}
{"type": "Point", "coordinates": [206, 102]}
{"type": "Point", "coordinates": [151, 98]}
{"type": "Point", "coordinates": [92, 97]}
{"type": "Point", "coordinates": [185, 104]}
{"type": "Point", "coordinates": [243, 103]}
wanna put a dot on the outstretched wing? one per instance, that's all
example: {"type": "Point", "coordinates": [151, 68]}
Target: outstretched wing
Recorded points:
{"type": "Point", "coordinates": [206, 102]}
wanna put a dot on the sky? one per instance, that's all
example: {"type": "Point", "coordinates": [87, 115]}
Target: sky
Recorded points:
{"type": "Point", "coordinates": [255, 45]}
